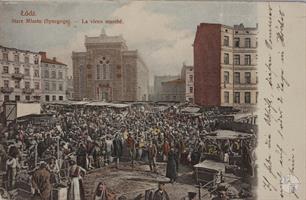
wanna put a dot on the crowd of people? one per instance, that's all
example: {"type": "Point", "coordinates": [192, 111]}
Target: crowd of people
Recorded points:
{"type": "Point", "coordinates": [76, 140]}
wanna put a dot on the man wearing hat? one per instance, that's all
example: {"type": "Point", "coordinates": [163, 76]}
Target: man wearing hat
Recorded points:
{"type": "Point", "coordinates": [117, 149]}
{"type": "Point", "coordinates": [161, 193]}
{"type": "Point", "coordinates": [131, 145]}
{"type": "Point", "coordinates": [82, 156]}
{"type": "Point", "coordinates": [41, 182]}
{"type": "Point", "coordinates": [152, 153]}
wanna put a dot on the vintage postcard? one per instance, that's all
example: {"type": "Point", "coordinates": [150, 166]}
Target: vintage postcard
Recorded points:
{"type": "Point", "coordinates": [152, 100]}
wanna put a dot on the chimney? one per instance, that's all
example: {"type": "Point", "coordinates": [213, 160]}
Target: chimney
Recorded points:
{"type": "Point", "coordinates": [54, 58]}
{"type": "Point", "coordinates": [43, 54]}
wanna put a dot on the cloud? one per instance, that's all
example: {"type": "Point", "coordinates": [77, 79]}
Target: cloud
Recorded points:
{"type": "Point", "coordinates": [163, 47]}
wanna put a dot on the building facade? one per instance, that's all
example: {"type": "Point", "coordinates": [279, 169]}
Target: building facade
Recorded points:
{"type": "Point", "coordinates": [187, 75]}
{"type": "Point", "coordinates": [158, 87]}
{"type": "Point", "coordinates": [53, 79]}
{"type": "Point", "coordinates": [173, 90]}
{"type": "Point", "coordinates": [225, 60]}
{"type": "Point", "coordinates": [20, 75]}
{"type": "Point", "coordinates": [109, 71]}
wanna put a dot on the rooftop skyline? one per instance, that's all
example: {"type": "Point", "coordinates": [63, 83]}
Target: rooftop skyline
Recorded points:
{"type": "Point", "coordinates": [162, 32]}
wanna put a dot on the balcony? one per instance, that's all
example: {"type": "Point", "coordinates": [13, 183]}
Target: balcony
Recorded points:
{"type": "Point", "coordinates": [17, 76]}
{"type": "Point", "coordinates": [7, 89]}
{"type": "Point", "coordinates": [27, 90]}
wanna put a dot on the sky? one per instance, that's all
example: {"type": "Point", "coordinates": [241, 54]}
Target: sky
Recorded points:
{"type": "Point", "coordinates": [162, 31]}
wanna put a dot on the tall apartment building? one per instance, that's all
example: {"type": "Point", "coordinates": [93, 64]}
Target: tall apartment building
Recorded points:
{"type": "Point", "coordinates": [20, 75]}
{"type": "Point", "coordinates": [53, 79]}
{"type": "Point", "coordinates": [225, 60]}
{"type": "Point", "coordinates": [187, 75]}
{"type": "Point", "coordinates": [109, 71]}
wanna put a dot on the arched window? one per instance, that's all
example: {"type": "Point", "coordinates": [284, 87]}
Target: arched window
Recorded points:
{"type": "Point", "coordinates": [98, 72]}
{"type": "Point", "coordinates": [104, 69]}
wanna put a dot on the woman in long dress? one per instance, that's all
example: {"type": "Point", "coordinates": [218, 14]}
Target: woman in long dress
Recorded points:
{"type": "Point", "coordinates": [76, 189]}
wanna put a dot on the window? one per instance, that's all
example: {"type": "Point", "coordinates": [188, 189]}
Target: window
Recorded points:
{"type": "Point", "coordinates": [53, 74]}
{"type": "Point", "coordinates": [226, 77]}
{"type": "Point", "coordinates": [17, 84]}
{"type": "Point", "coordinates": [256, 78]}
{"type": "Point", "coordinates": [53, 98]}
{"type": "Point", "coordinates": [60, 75]}
{"type": "Point", "coordinates": [247, 59]}
{"type": "Point", "coordinates": [35, 60]}
{"type": "Point", "coordinates": [16, 70]}
{"type": "Point", "coordinates": [17, 98]}
{"type": "Point", "coordinates": [60, 98]}
{"type": "Point", "coordinates": [5, 56]}
{"type": "Point", "coordinates": [237, 42]}
{"type": "Point", "coordinates": [226, 97]}
{"type": "Point", "coordinates": [36, 73]}
{"type": "Point", "coordinates": [16, 58]}
{"type": "Point", "coordinates": [6, 97]}
{"type": "Point", "coordinates": [47, 87]}
{"type": "Point", "coordinates": [191, 89]}
{"type": "Point", "coordinates": [237, 59]}
{"type": "Point", "coordinates": [6, 83]}
{"type": "Point", "coordinates": [237, 97]}
{"type": "Point", "coordinates": [226, 41]}
{"type": "Point", "coordinates": [226, 58]}
{"type": "Point", "coordinates": [26, 59]}
{"type": "Point", "coordinates": [104, 71]}
{"type": "Point", "coordinates": [237, 77]}
{"type": "Point", "coordinates": [47, 98]}
{"type": "Point", "coordinates": [256, 97]}
{"type": "Point", "coordinates": [247, 76]}
{"type": "Point", "coordinates": [27, 84]}
{"type": "Point", "coordinates": [98, 72]}
{"type": "Point", "coordinates": [37, 98]}
{"type": "Point", "coordinates": [247, 42]}
{"type": "Point", "coordinates": [60, 87]}
{"type": "Point", "coordinates": [36, 85]}
{"type": "Point", "coordinates": [190, 78]}
{"type": "Point", "coordinates": [46, 73]}
{"type": "Point", "coordinates": [27, 98]}
{"type": "Point", "coordinates": [5, 69]}
{"type": "Point", "coordinates": [247, 97]}
{"type": "Point", "coordinates": [54, 86]}
{"type": "Point", "coordinates": [26, 71]}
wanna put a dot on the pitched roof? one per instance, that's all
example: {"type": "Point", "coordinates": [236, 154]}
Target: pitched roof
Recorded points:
{"type": "Point", "coordinates": [44, 59]}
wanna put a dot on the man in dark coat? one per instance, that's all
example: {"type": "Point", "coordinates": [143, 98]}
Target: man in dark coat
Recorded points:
{"type": "Point", "coordinates": [171, 172]}
{"type": "Point", "coordinates": [41, 183]}
{"type": "Point", "coordinates": [161, 193]}
{"type": "Point", "coordinates": [117, 149]}
{"type": "Point", "coordinates": [82, 156]}
{"type": "Point", "coordinates": [152, 153]}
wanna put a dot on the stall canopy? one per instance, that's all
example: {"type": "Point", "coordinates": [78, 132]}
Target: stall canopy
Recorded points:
{"type": "Point", "coordinates": [80, 102]}
{"type": "Point", "coordinates": [24, 109]}
{"type": "Point", "coordinates": [60, 102]}
{"type": "Point", "coordinates": [227, 134]}
{"type": "Point", "coordinates": [191, 109]}
{"type": "Point", "coordinates": [105, 104]}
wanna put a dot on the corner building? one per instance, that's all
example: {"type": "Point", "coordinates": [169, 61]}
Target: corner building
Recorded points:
{"type": "Point", "coordinates": [225, 65]}
{"type": "Point", "coordinates": [109, 71]}
{"type": "Point", "coordinates": [20, 75]}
